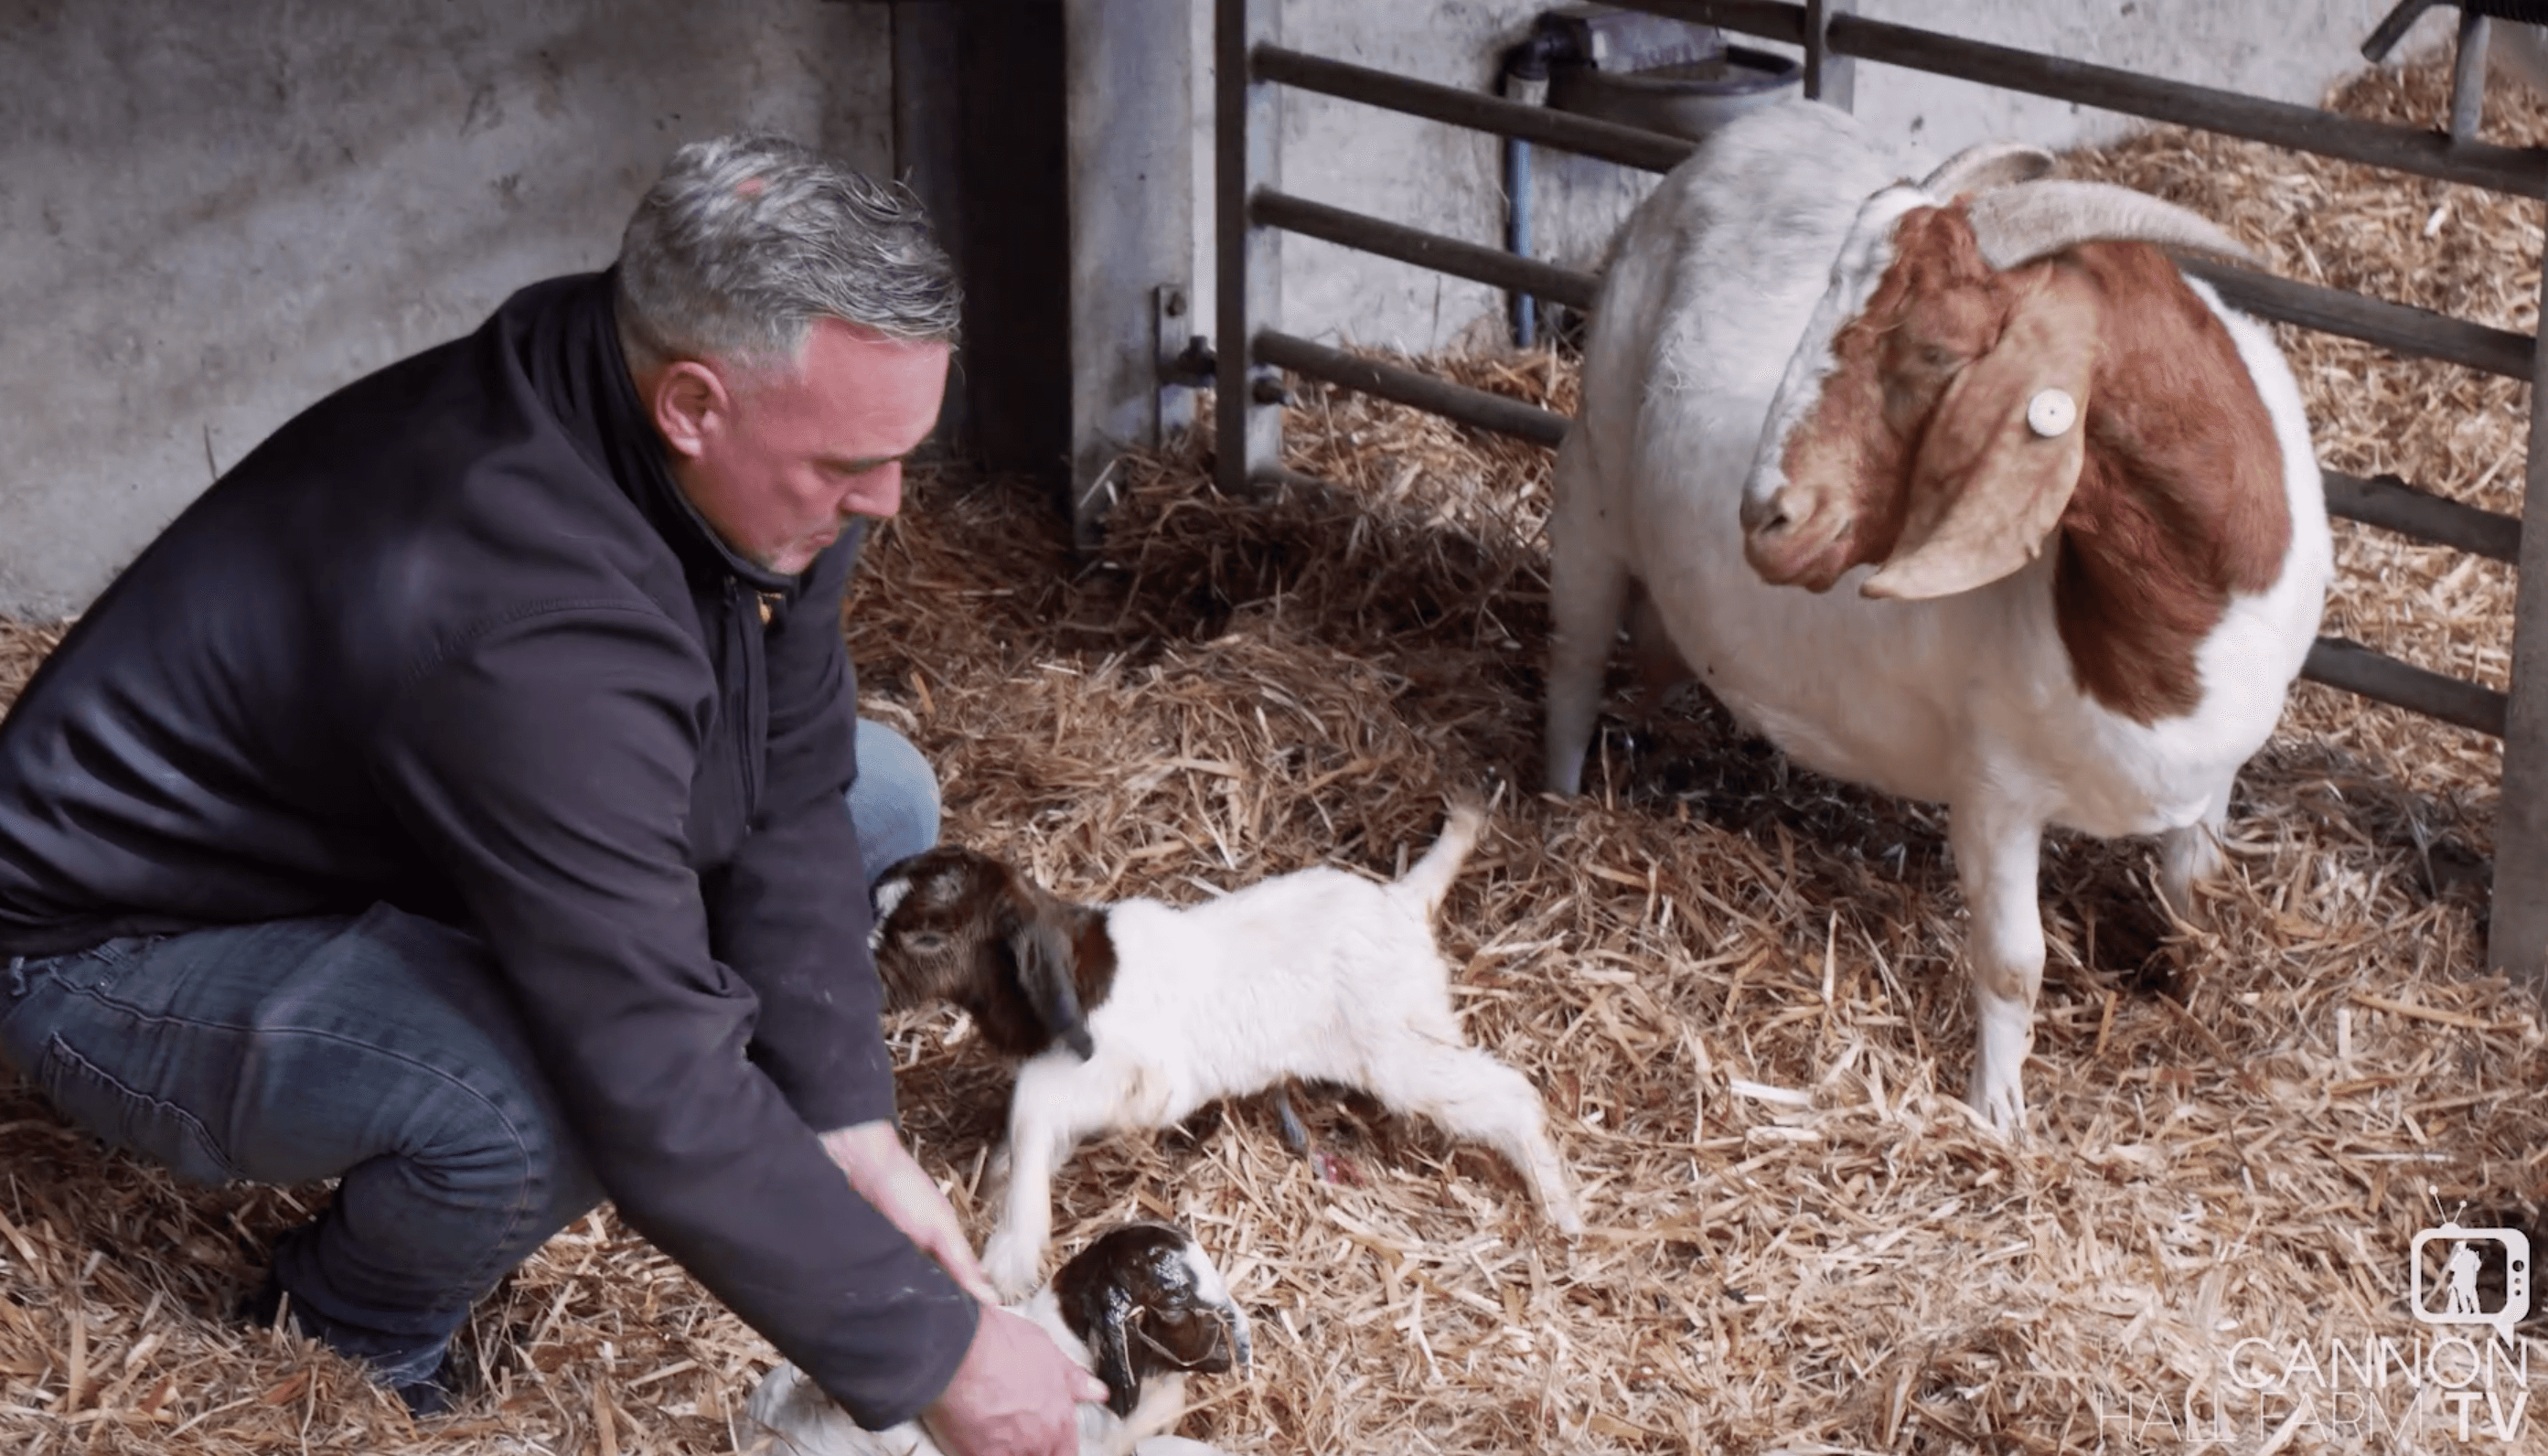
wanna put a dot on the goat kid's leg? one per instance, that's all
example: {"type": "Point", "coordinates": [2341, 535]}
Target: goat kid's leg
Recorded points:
{"type": "Point", "coordinates": [1047, 1116]}
{"type": "Point", "coordinates": [1588, 588]}
{"type": "Point", "coordinates": [1478, 1097]}
{"type": "Point", "coordinates": [2191, 855]}
{"type": "Point", "coordinates": [1162, 1406]}
{"type": "Point", "coordinates": [1997, 857]}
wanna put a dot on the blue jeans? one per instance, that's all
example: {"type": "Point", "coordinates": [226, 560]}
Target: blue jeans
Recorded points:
{"type": "Point", "coordinates": [378, 1049]}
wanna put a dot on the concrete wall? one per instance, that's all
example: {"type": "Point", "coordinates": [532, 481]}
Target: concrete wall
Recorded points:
{"type": "Point", "coordinates": [218, 212]}
{"type": "Point", "coordinates": [1450, 180]}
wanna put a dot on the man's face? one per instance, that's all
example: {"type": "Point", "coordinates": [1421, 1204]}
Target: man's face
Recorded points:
{"type": "Point", "coordinates": [778, 463]}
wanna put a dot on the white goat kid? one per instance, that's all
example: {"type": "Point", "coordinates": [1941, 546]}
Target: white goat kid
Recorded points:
{"type": "Point", "coordinates": [1136, 1013]}
{"type": "Point", "coordinates": [2072, 499]}
{"type": "Point", "coordinates": [1138, 1308]}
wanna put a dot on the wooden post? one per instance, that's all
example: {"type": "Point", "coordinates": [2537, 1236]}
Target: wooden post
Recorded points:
{"type": "Point", "coordinates": [1246, 155]}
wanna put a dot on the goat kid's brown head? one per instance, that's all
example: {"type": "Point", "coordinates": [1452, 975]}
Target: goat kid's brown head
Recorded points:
{"type": "Point", "coordinates": [1935, 420]}
{"type": "Point", "coordinates": [953, 924]}
{"type": "Point", "coordinates": [1145, 1300]}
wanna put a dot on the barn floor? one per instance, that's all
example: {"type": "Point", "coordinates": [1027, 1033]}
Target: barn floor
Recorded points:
{"type": "Point", "coordinates": [1734, 983]}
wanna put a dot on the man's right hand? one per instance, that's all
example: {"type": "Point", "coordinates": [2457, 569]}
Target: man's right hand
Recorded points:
{"type": "Point", "coordinates": [1015, 1394]}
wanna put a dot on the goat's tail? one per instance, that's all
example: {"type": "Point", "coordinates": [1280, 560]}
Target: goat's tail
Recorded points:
{"type": "Point", "coordinates": [1429, 878]}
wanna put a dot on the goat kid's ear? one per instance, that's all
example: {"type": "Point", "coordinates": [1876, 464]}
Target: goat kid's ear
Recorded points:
{"type": "Point", "coordinates": [1989, 484]}
{"type": "Point", "coordinates": [1110, 1345]}
{"type": "Point", "coordinates": [1043, 965]}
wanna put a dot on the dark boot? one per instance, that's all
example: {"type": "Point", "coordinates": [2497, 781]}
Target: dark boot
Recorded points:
{"type": "Point", "coordinates": [428, 1395]}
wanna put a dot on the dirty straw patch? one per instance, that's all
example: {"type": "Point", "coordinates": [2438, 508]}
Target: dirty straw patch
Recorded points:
{"type": "Point", "coordinates": [1732, 980]}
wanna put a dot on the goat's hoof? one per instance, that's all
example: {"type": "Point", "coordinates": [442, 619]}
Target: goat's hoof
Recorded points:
{"type": "Point", "coordinates": [1295, 1134]}
{"type": "Point", "coordinates": [1563, 1210]}
{"type": "Point", "coordinates": [2185, 905]}
{"type": "Point", "coordinates": [1010, 1264]}
{"type": "Point", "coordinates": [2002, 1107]}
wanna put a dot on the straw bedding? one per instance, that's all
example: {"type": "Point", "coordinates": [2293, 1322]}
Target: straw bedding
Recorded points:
{"type": "Point", "coordinates": [1733, 981]}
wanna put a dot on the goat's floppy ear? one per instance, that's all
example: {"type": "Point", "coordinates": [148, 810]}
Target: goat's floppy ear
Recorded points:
{"type": "Point", "coordinates": [1045, 962]}
{"type": "Point", "coordinates": [1110, 1345]}
{"type": "Point", "coordinates": [2002, 451]}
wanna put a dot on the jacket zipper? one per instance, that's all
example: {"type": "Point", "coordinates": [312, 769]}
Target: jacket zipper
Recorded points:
{"type": "Point", "coordinates": [751, 624]}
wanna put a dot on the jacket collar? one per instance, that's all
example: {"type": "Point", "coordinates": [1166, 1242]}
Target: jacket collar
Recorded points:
{"type": "Point", "coordinates": [569, 340]}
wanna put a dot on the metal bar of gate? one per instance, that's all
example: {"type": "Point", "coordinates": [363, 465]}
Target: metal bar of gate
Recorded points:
{"type": "Point", "coordinates": [2398, 327]}
{"type": "Point", "coordinates": [1473, 261]}
{"type": "Point", "coordinates": [1491, 411]}
{"type": "Point", "coordinates": [1608, 140]}
{"type": "Point", "coordinates": [2408, 331]}
{"type": "Point", "coordinates": [2391, 504]}
{"type": "Point", "coordinates": [2521, 172]}
{"type": "Point", "coordinates": [2358, 670]}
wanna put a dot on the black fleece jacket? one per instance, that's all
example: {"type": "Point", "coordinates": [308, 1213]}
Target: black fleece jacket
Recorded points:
{"type": "Point", "coordinates": [453, 640]}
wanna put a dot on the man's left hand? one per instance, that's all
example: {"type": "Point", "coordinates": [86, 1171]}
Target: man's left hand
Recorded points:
{"type": "Point", "coordinates": [884, 1174]}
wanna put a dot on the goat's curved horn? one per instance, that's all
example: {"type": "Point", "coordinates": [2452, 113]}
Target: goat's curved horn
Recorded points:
{"type": "Point", "coordinates": [1992, 164]}
{"type": "Point", "coordinates": [2033, 219]}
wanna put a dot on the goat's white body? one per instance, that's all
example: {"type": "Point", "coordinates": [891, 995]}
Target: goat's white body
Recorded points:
{"type": "Point", "coordinates": [808, 1422]}
{"type": "Point", "coordinates": [1968, 700]}
{"type": "Point", "coordinates": [1318, 974]}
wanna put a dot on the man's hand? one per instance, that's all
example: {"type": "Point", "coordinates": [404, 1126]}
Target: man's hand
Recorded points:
{"type": "Point", "coordinates": [1014, 1394]}
{"type": "Point", "coordinates": [883, 1172]}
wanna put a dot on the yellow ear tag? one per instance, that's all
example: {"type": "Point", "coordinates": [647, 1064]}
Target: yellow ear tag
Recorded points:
{"type": "Point", "coordinates": [2051, 412]}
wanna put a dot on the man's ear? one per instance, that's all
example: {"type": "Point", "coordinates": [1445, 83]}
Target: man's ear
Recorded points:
{"type": "Point", "coordinates": [688, 401]}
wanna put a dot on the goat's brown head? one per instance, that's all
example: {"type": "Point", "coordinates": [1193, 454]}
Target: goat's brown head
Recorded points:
{"type": "Point", "coordinates": [1934, 420]}
{"type": "Point", "coordinates": [956, 925]}
{"type": "Point", "coordinates": [1145, 1300]}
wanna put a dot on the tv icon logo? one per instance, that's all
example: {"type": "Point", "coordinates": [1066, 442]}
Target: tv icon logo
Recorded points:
{"type": "Point", "coordinates": [2459, 1258]}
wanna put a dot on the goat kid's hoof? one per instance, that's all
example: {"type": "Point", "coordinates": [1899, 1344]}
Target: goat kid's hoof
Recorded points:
{"type": "Point", "coordinates": [1010, 1265]}
{"type": "Point", "coordinates": [1568, 1220]}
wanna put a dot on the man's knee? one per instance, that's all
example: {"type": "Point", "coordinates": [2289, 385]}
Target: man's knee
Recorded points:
{"type": "Point", "coordinates": [895, 802]}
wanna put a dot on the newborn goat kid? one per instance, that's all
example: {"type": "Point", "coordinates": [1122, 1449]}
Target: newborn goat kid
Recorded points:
{"type": "Point", "coordinates": [1138, 1309]}
{"type": "Point", "coordinates": [1136, 1014]}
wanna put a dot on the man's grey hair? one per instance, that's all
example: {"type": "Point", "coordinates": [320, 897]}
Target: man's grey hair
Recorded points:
{"type": "Point", "coordinates": [745, 240]}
